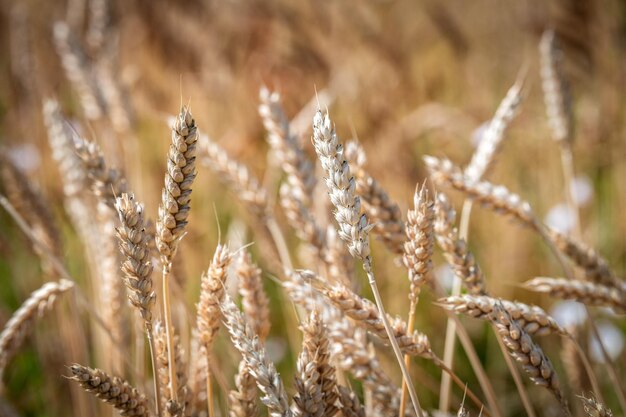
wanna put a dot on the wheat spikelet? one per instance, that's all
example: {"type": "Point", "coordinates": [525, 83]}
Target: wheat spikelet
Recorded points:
{"type": "Point", "coordinates": [339, 262]}
{"type": "Point", "coordinates": [491, 141]}
{"type": "Point", "coordinates": [174, 408]}
{"type": "Point", "coordinates": [596, 268]}
{"type": "Point", "coordinates": [23, 320]}
{"type": "Point", "coordinates": [495, 197]}
{"type": "Point", "coordinates": [211, 295]}
{"type": "Point", "coordinates": [137, 263]}
{"type": "Point", "coordinates": [315, 382]}
{"type": "Point", "coordinates": [353, 227]}
{"type": "Point", "coordinates": [594, 408]}
{"type": "Point", "coordinates": [242, 401]}
{"type": "Point", "coordinates": [98, 24]}
{"type": "Point", "coordinates": [79, 71]}
{"type": "Point", "coordinates": [524, 350]}
{"type": "Point", "coordinates": [455, 249]}
{"type": "Point", "coordinates": [532, 319]}
{"type": "Point", "coordinates": [585, 292]}
{"type": "Point", "coordinates": [112, 390]}
{"type": "Point", "coordinates": [253, 298]}
{"type": "Point", "coordinates": [244, 184]}
{"type": "Point", "coordinates": [418, 248]}
{"type": "Point", "coordinates": [350, 405]}
{"type": "Point", "coordinates": [176, 195]}
{"type": "Point", "coordinates": [260, 367]}
{"type": "Point", "coordinates": [556, 91]}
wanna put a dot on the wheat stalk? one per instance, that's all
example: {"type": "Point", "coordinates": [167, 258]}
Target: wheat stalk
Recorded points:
{"type": "Point", "coordinates": [260, 367]}
{"type": "Point", "coordinates": [112, 390]}
{"type": "Point", "coordinates": [585, 292]}
{"type": "Point", "coordinates": [23, 320]}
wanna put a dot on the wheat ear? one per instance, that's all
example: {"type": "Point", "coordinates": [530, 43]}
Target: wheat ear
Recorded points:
{"type": "Point", "coordinates": [350, 405]}
{"type": "Point", "coordinates": [23, 320]}
{"type": "Point", "coordinates": [211, 295]}
{"type": "Point", "coordinates": [585, 292]}
{"type": "Point", "coordinates": [260, 367]}
{"type": "Point", "coordinates": [242, 401]}
{"type": "Point", "coordinates": [137, 269]}
{"type": "Point", "coordinates": [353, 227]}
{"type": "Point", "coordinates": [173, 408]}
{"type": "Point", "coordinates": [112, 390]}
{"type": "Point", "coordinates": [253, 298]}
{"type": "Point", "coordinates": [173, 213]}
{"type": "Point", "coordinates": [524, 350]}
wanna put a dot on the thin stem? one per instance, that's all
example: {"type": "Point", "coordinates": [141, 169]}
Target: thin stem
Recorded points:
{"type": "Point", "coordinates": [461, 384]}
{"type": "Point", "coordinates": [476, 364]}
{"type": "Point", "coordinates": [448, 350]}
{"type": "Point", "coordinates": [167, 313]}
{"type": "Point", "coordinates": [521, 389]}
{"type": "Point", "coordinates": [407, 358]}
{"type": "Point", "coordinates": [155, 376]}
{"type": "Point", "coordinates": [610, 366]}
{"type": "Point", "coordinates": [279, 242]}
{"type": "Point", "coordinates": [209, 389]}
{"type": "Point", "coordinates": [567, 163]}
{"type": "Point", "coordinates": [394, 344]}
{"type": "Point", "coordinates": [588, 369]}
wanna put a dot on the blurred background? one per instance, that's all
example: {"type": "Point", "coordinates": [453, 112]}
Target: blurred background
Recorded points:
{"type": "Point", "coordinates": [407, 78]}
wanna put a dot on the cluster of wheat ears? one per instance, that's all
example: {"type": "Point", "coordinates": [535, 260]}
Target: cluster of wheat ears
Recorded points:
{"type": "Point", "coordinates": [339, 326]}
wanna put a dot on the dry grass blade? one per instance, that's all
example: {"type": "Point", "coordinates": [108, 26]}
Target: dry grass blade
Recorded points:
{"type": "Point", "coordinates": [524, 350]}
{"type": "Point", "coordinates": [594, 408]}
{"type": "Point", "coordinates": [532, 319]}
{"type": "Point", "coordinates": [495, 197]}
{"type": "Point", "coordinates": [23, 320]}
{"type": "Point", "coordinates": [585, 292]}
{"type": "Point", "coordinates": [260, 367]}
{"type": "Point", "coordinates": [596, 268]}
{"type": "Point", "coordinates": [253, 298]}
{"type": "Point", "coordinates": [556, 91]}
{"type": "Point", "coordinates": [242, 401]}
{"type": "Point", "coordinates": [491, 140]}
{"type": "Point", "coordinates": [112, 390]}
{"type": "Point", "coordinates": [455, 249]}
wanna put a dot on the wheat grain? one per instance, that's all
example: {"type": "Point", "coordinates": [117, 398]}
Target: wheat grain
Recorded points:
{"type": "Point", "coordinates": [112, 390]}
{"type": "Point", "coordinates": [260, 367]}
{"type": "Point", "coordinates": [23, 320]}
{"type": "Point", "coordinates": [585, 292]}
{"type": "Point", "coordinates": [350, 405]}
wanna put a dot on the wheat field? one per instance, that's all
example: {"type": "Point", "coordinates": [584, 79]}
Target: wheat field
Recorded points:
{"type": "Point", "coordinates": [251, 208]}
